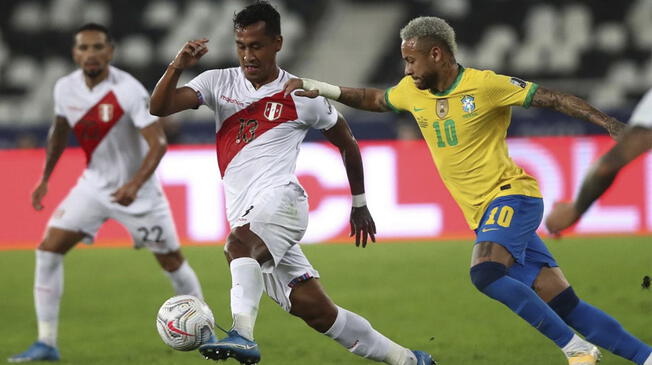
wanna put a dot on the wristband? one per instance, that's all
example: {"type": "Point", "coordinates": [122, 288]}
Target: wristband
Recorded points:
{"type": "Point", "coordinates": [325, 89]}
{"type": "Point", "coordinates": [358, 200]}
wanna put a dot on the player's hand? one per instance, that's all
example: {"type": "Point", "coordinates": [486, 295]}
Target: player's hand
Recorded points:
{"type": "Point", "coordinates": [190, 54]}
{"type": "Point", "coordinates": [126, 194]}
{"type": "Point", "coordinates": [297, 84]}
{"type": "Point", "coordinates": [563, 215]}
{"type": "Point", "coordinates": [362, 225]}
{"type": "Point", "coordinates": [38, 194]}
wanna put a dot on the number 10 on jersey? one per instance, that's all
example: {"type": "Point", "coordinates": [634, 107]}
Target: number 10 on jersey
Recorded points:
{"type": "Point", "coordinates": [449, 133]}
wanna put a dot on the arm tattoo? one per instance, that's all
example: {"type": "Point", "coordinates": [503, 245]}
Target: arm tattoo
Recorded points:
{"type": "Point", "coordinates": [352, 97]}
{"type": "Point", "coordinates": [364, 98]}
{"type": "Point", "coordinates": [577, 108]}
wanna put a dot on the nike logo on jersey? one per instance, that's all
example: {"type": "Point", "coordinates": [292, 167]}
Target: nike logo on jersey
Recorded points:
{"type": "Point", "coordinates": [417, 109]}
{"type": "Point", "coordinates": [248, 210]}
{"type": "Point", "coordinates": [489, 229]}
{"type": "Point", "coordinates": [176, 330]}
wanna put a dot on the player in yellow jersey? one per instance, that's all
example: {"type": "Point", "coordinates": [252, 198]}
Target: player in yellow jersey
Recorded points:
{"type": "Point", "coordinates": [463, 114]}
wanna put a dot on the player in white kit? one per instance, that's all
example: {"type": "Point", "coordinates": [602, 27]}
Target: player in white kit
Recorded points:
{"type": "Point", "coordinates": [258, 136]}
{"type": "Point", "coordinates": [636, 140]}
{"type": "Point", "coordinates": [107, 109]}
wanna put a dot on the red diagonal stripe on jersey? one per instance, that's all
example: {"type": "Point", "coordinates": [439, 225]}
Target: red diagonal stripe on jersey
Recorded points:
{"type": "Point", "coordinates": [96, 123]}
{"type": "Point", "coordinates": [250, 123]}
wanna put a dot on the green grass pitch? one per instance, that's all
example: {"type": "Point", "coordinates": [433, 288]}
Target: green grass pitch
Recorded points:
{"type": "Point", "coordinates": [418, 294]}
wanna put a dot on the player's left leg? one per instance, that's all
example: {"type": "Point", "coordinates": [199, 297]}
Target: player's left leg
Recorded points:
{"type": "Point", "coordinates": [310, 302]}
{"type": "Point", "coordinates": [156, 230]}
{"type": "Point", "coordinates": [178, 270]}
{"type": "Point", "coordinates": [597, 326]}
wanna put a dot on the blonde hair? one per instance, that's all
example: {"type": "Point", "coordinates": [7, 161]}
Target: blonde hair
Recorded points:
{"type": "Point", "coordinates": [432, 28]}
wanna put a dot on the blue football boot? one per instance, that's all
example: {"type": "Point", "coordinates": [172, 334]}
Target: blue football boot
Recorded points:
{"type": "Point", "coordinates": [37, 352]}
{"type": "Point", "coordinates": [424, 358]}
{"type": "Point", "coordinates": [235, 346]}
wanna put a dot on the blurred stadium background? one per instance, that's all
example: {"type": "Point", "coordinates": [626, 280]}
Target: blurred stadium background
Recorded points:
{"type": "Point", "coordinates": [597, 49]}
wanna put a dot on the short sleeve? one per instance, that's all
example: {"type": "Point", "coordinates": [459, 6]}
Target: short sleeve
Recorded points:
{"type": "Point", "coordinates": [139, 110]}
{"type": "Point", "coordinates": [509, 91]}
{"type": "Point", "coordinates": [205, 85]}
{"type": "Point", "coordinates": [396, 97]}
{"type": "Point", "coordinates": [59, 110]}
{"type": "Point", "coordinates": [642, 115]}
{"type": "Point", "coordinates": [317, 113]}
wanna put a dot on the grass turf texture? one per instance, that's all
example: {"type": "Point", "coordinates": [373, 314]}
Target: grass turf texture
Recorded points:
{"type": "Point", "coordinates": [418, 294]}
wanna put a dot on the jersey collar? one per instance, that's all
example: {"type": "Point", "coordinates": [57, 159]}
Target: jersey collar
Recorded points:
{"type": "Point", "coordinates": [273, 84]}
{"type": "Point", "coordinates": [453, 85]}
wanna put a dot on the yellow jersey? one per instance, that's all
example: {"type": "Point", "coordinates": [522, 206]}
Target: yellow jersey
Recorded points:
{"type": "Point", "coordinates": [465, 128]}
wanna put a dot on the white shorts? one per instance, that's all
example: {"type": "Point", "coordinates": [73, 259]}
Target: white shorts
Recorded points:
{"type": "Point", "coordinates": [279, 216]}
{"type": "Point", "coordinates": [293, 268]}
{"type": "Point", "coordinates": [148, 219]}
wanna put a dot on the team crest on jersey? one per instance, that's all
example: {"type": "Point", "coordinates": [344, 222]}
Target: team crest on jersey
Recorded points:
{"type": "Point", "coordinates": [442, 107]}
{"type": "Point", "coordinates": [468, 103]}
{"type": "Point", "coordinates": [273, 110]}
{"type": "Point", "coordinates": [106, 112]}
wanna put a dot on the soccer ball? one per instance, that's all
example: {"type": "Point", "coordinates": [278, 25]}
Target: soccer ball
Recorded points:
{"type": "Point", "coordinates": [184, 322]}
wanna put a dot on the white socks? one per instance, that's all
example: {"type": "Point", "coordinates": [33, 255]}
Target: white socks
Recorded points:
{"type": "Point", "coordinates": [184, 281]}
{"type": "Point", "coordinates": [48, 287]}
{"type": "Point", "coordinates": [246, 290]}
{"type": "Point", "coordinates": [648, 361]}
{"type": "Point", "coordinates": [356, 334]}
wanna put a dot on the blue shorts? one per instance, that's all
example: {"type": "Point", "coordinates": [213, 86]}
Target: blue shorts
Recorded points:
{"type": "Point", "coordinates": [512, 221]}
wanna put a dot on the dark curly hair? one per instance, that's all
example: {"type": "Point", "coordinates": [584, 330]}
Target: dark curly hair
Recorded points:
{"type": "Point", "coordinates": [259, 11]}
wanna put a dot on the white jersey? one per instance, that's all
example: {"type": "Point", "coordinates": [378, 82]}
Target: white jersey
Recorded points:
{"type": "Point", "coordinates": [642, 115]}
{"type": "Point", "coordinates": [106, 121]}
{"type": "Point", "coordinates": [258, 132]}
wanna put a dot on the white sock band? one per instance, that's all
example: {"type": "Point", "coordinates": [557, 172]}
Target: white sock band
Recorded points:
{"type": "Point", "coordinates": [185, 281]}
{"type": "Point", "coordinates": [246, 290]}
{"type": "Point", "coordinates": [325, 89]}
{"type": "Point", "coordinates": [356, 334]}
{"type": "Point", "coordinates": [48, 288]}
{"type": "Point", "coordinates": [359, 200]}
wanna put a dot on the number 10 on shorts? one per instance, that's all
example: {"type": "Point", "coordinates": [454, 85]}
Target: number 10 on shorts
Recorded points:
{"type": "Point", "coordinates": [505, 215]}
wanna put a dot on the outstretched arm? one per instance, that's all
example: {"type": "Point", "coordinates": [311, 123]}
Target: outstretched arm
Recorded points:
{"type": "Point", "coordinates": [634, 142]}
{"type": "Point", "coordinates": [57, 141]}
{"type": "Point", "coordinates": [167, 98]}
{"type": "Point", "coordinates": [577, 108]}
{"type": "Point", "coordinates": [157, 143]}
{"type": "Point", "coordinates": [360, 98]}
{"type": "Point", "coordinates": [362, 224]}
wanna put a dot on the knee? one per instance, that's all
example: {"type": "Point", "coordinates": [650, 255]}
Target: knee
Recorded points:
{"type": "Point", "coordinates": [171, 262]}
{"type": "Point", "coordinates": [242, 242]}
{"type": "Point", "coordinates": [485, 273]}
{"type": "Point", "coordinates": [235, 247]}
{"type": "Point", "coordinates": [565, 302]}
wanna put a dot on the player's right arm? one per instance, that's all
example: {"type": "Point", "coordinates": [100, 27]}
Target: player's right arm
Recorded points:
{"type": "Point", "coordinates": [56, 143]}
{"type": "Point", "coordinates": [167, 98]}
{"type": "Point", "coordinates": [360, 98]}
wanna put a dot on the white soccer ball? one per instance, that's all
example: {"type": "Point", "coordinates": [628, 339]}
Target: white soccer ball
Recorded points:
{"type": "Point", "coordinates": [184, 322]}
